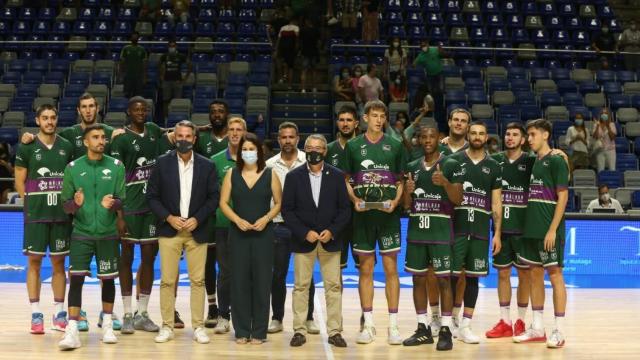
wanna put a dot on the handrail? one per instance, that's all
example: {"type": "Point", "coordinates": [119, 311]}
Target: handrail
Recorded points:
{"type": "Point", "coordinates": [150, 42]}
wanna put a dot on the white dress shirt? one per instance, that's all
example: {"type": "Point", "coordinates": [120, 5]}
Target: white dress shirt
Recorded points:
{"type": "Point", "coordinates": [278, 165]}
{"type": "Point", "coordinates": [316, 184]}
{"type": "Point", "coordinates": [186, 180]}
{"type": "Point", "coordinates": [613, 204]}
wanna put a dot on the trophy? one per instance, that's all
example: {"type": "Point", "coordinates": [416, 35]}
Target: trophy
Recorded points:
{"type": "Point", "coordinates": [373, 193]}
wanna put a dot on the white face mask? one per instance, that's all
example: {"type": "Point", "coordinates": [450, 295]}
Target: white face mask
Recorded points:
{"type": "Point", "coordinates": [250, 157]}
{"type": "Point", "coordinates": [425, 48]}
{"type": "Point", "coordinates": [605, 197]}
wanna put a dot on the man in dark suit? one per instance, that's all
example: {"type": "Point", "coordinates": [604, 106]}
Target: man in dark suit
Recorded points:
{"type": "Point", "coordinates": [183, 193]}
{"type": "Point", "coordinates": [315, 206]}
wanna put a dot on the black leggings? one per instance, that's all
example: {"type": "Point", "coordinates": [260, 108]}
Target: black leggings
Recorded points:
{"type": "Point", "coordinates": [210, 271]}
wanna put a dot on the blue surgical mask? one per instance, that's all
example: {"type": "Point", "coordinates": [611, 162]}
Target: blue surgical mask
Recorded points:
{"type": "Point", "coordinates": [579, 122]}
{"type": "Point", "coordinates": [250, 157]}
{"type": "Point", "coordinates": [604, 117]}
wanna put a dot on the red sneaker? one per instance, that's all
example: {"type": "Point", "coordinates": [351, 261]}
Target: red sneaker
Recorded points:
{"type": "Point", "coordinates": [519, 328]}
{"type": "Point", "coordinates": [500, 330]}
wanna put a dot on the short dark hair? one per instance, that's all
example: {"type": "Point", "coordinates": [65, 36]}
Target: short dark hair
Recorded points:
{"type": "Point", "coordinates": [45, 107]}
{"type": "Point", "coordinates": [370, 67]}
{"type": "Point", "coordinates": [602, 185]}
{"type": "Point", "coordinates": [252, 138]}
{"type": "Point", "coordinates": [86, 96]}
{"type": "Point", "coordinates": [460, 110]}
{"type": "Point", "coordinates": [219, 102]}
{"type": "Point", "coordinates": [540, 124]}
{"type": "Point", "coordinates": [348, 109]}
{"type": "Point", "coordinates": [91, 128]}
{"type": "Point", "coordinates": [428, 126]}
{"type": "Point", "coordinates": [288, 125]}
{"type": "Point", "coordinates": [516, 125]}
{"type": "Point", "coordinates": [479, 123]}
{"type": "Point", "coordinates": [135, 100]}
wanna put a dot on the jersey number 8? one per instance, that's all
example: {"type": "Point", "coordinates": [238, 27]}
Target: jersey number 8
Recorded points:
{"type": "Point", "coordinates": [506, 212]}
{"type": "Point", "coordinates": [424, 222]}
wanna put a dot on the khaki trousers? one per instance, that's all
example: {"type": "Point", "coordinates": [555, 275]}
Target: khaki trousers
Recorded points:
{"type": "Point", "coordinates": [303, 271]}
{"type": "Point", "coordinates": [196, 254]}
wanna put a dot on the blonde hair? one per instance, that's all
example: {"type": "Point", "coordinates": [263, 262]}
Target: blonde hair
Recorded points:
{"type": "Point", "coordinates": [237, 119]}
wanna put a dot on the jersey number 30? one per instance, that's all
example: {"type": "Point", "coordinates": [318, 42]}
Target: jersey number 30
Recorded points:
{"type": "Point", "coordinates": [424, 222]}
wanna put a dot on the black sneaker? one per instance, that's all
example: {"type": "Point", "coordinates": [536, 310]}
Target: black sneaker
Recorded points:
{"type": "Point", "coordinates": [212, 317]}
{"type": "Point", "coordinates": [422, 336]}
{"type": "Point", "coordinates": [177, 322]}
{"type": "Point", "coordinates": [444, 339]}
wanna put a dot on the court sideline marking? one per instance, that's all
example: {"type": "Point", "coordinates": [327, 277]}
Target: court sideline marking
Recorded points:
{"type": "Point", "coordinates": [323, 327]}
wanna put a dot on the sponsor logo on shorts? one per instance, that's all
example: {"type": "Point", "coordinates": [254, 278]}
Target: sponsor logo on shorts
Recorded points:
{"type": "Point", "coordinates": [152, 230]}
{"type": "Point", "coordinates": [387, 241]}
{"type": "Point", "coordinates": [60, 244]}
{"type": "Point", "coordinates": [437, 263]}
{"type": "Point", "coordinates": [479, 263]}
{"type": "Point", "coordinates": [447, 262]}
{"type": "Point", "coordinates": [104, 266]}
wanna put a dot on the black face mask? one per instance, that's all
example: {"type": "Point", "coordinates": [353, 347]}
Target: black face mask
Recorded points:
{"type": "Point", "coordinates": [314, 157]}
{"type": "Point", "coordinates": [184, 146]}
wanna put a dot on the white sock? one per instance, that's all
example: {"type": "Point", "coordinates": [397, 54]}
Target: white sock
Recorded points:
{"type": "Point", "coordinates": [435, 311]}
{"type": "Point", "coordinates": [422, 319]}
{"type": "Point", "coordinates": [522, 312]}
{"type": "Point", "coordinates": [393, 319]}
{"type": "Point", "coordinates": [446, 321]}
{"type": "Point", "coordinates": [368, 318]}
{"type": "Point", "coordinates": [143, 303]}
{"type": "Point", "coordinates": [538, 322]}
{"type": "Point", "coordinates": [559, 323]}
{"type": "Point", "coordinates": [35, 307]}
{"type": "Point", "coordinates": [126, 302]}
{"type": "Point", "coordinates": [59, 306]}
{"type": "Point", "coordinates": [505, 314]}
{"type": "Point", "coordinates": [466, 322]}
{"type": "Point", "coordinates": [106, 320]}
{"type": "Point", "coordinates": [72, 325]}
{"type": "Point", "coordinates": [456, 311]}
{"type": "Point", "coordinates": [212, 299]}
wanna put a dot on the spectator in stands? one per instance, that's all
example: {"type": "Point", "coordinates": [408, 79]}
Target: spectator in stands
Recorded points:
{"type": "Point", "coordinates": [430, 59]}
{"type": "Point", "coordinates": [349, 16]}
{"type": "Point", "coordinates": [133, 66]}
{"type": "Point", "coordinates": [396, 129]}
{"type": "Point", "coordinates": [604, 144]}
{"type": "Point", "coordinates": [310, 51]}
{"type": "Point", "coordinates": [357, 73]}
{"type": "Point", "coordinates": [493, 145]}
{"type": "Point", "coordinates": [150, 10]}
{"type": "Point", "coordinates": [171, 74]}
{"type": "Point", "coordinates": [604, 41]}
{"type": "Point", "coordinates": [6, 171]}
{"type": "Point", "coordinates": [630, 42]}
{"type": "Point", "coordinates": [287, 49]}
{"type": "Point", "coordinates": [605, 201]}
{"type": "Point", "coordinates": [578, 140]}
{"type": "Point", "coordinates": [343, 85]}
{"type": "Point", "coordinates": [369, 85]}
{"type": "Point", "coordinates": [370, 13]}
{"type": "Point", "coordinates": [180, 12]}
{"type": "Point", "coordinates": [398, 89]}
{"type": "Point", "coordinates": [395, 60]}
{"type": "Point", "coordinates": [402, 122]}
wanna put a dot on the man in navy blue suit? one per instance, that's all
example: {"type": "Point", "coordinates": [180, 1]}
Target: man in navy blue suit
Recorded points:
{"type": "Point", "coordinates": [316, 207]}
{"type": "Point", "coordinates": [183, 194]}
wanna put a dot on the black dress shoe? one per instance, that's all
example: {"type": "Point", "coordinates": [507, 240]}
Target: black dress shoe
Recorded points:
{"type": "Point", "coordinates": [337, 341]}
{"type": "Point", "coordinates": [298, 340]}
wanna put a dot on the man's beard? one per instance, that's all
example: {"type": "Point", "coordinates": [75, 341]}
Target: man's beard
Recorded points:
{"type": "Point", "coordinates": [348, 135]}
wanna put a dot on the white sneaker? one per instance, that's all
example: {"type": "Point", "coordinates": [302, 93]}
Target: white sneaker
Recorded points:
{"type": "Point", "coordinates": [435, 324]}
{"type": "Point", "coordinates": [531, 335]}
{"type": "Point", "coordinates": [200, 336]}
{"type": "Point", "coordinates": [394, 337]}
{"type": "Point", "coordinates": [71, 338]}
{"type": "Point", "coordinates": [222, 327]}
{"type": "Point", "coordinates": [367, 335]}
{"type": "Point", "coordinates": [164, 335]}
{"type": "Point", "coordinates": [274, 327]}
{"type": "Point", "coordinates": [556, 340]}
{"type": "Point", "coordinates": [465, 335]}
{"type": "Point", "coordinates": [455, 326]}
{"type": "Point", "coordinates": [108, 336]}
{"type": "Point", "coordinates": [312, 328]}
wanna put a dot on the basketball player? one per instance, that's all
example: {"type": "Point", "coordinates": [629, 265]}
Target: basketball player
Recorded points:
{"type": "Point", "coordinates": [544, 233]}
{"type": "Point", "coordinates": [137, 148]}
{"type": "Point", "coordinates": [38, 179]}
{"type": "Point", "coordinates": [375, 163]}
{"type": "Point", "coordinates": [92, 191]}
{"type": "Point", "coordinates": [482, 201]}
{"type": "Point", "coordinates": [433, 187]}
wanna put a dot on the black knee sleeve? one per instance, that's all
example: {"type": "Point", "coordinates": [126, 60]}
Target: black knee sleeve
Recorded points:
{"type": "Point", "coordinates": [471, 292]}
{"type": "Point", "coordinates": [108, 291]}
{"type": "Point", "coordinates": [75, 291]}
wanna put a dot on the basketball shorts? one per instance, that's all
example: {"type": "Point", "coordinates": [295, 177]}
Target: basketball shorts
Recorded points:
{"type": "Point", "coordinates": [421, 256]}
{"type": "Point", "coordinates": [40, 237]}
{"type": "Point", "coordinates": [471, 255]}
{"type": "Point", "coordinates": [141, 229]}
{"type": "Point", "coordinates": [106, 252]}
{"type": "Point", "coordinates": [533, 252]}
{"type": "Point", "coordinates": [376, 227]}
{"type": "Point", "coordinates": [510, 252]}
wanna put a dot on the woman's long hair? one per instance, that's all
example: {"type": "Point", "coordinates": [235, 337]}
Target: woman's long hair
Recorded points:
{"type": "Point", "coordinates": [252, 138]}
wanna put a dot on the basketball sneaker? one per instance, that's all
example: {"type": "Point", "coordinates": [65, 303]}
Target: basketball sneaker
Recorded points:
{"type": "Point", "coordinates": [455, 326]}
{"type": "Point", "coordinates": [501, 329]}
{"type": "Point", "coordinates": [393, 336]}
{"type": "Point", "coordinates": [83, 323]}
{"type": "Point", "coordinates": [367, 335]}
{"type": "Point", "coordinates": [60, 321]}
{"type": "Point", "coordinates": [519, 328]}
{"type": "Point", "coordinates": [467, 336]}
{"type": "Point", "coordinates": [445, 341]}
{"type": "Point", "coordinates": [108, 337]}
{"type": "Point", "coordinates": [143, 322]}
{"type": "Point", "coordinates": [127, 324]}
{"type": "Point", "coordinates": [222, 327]}
{"type": "Point", "coordinates": [212, 317]}
{"type": "Point", "coordinates": [435, 324]}
{"type": "Point", "coordinates": [421, 336]}
{"type": "Point", "coordinates": [531, 335]}
{"type": "Point", "coordinates": [37, 323]}
{"type": "Point", "coordinates": [115, 322]}
{"type": "Point", "coordinates": [556, 340]}
{"type": "Point", "coordinates": [177, 321]}
{"type": "Point", "coordinates": [71, 338]}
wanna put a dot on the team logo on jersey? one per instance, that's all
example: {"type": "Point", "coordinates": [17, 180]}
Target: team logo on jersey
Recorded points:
{"type": "Point", "coordinates": [369, 164]}
{"type": "Point", "coordinates": [522, 167]}
{"type": "Point", "coordinates": [486, 170]}
{"type": "Point", "coordinates": [43, 171]}
{"type": "Point", "coordinates": [545, 163]}
{"type": "Point", "coordinates": [107, 174]}
{"type": "Point", "coordinates": [62, 152]}
{"type": "Point", "coordinates": [461, 172]}
{"type": "Point", "coordinates": [386, 147]}
{"type": "Point", "coordinates": [136, 147]}
{"type": "Point", "coordinates": [38, 157]}
{"type": "Point", "coordinates": [467, 186]}
{"type": "Point", "coordinates": [141, 161]}
{"type": "Point", "coordinates": [363, 152]}
{"type": "Point", "coordinates": [152, 138]}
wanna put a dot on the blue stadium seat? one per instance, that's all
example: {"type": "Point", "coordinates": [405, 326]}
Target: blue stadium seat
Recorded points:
{"type": "Point", "coordinates": [586, 87]}
{"type": "Point", "coordinates": [622, 145]}
{"type": "Point", "coordinates": [9, 136]}
{"type": "Point", "coordinates": [617, 101]}
{"type": "Point", "coordinates": [510, 7]}
{"type": "Point", "coordinates": [432, 6]}
{"type": "Point", "coordinates": [87, 14]}
{"type": "Point", "coordinates": [613, 179]}
{"type": "Point", "coordinates": [583, 110]}
{"type": "Point", "coordinates": [68, 104]}
{"type": "Point", "coordinates": [604, 76]}
{"type": "Point", "coordinates": [106, 14]}
{"type": "Point", "coordinates": [529, 112]}
{"type": "Point", "coordinates": [477, 97]}
{"type": "Point", "coordinates": [567, 86]}
{"type": "Point", "coordinates": [626, 162]}
{"type": "Point", "coordinates": [572, 99]}
{"type": "Point", "coordinates": [636, 146]}
{"type": "Point", "coordinates": [455, 97]}
{"type": "Point", "coordinates": [635, 199]}
{"type": "Point", "coordinates": [127, 14]}
{"type": "Point", "coordinates": [206, 15]}
{"type": "Point", "coordinates": [550, 99]}
{"type": "Point", "coordinates": [81, 28]}
{"type": "Point", "coordinates": [46, 14]}
{"type": "Point", "coordinates": [203, 29]}
{"type": "Point", "coordinates": [118, 104]}
{"type": "Point", "coordinates": [32, 77]}
{"type": "Point", "coordinates": [612, 88]}
{"type": "Point", "coordinates": [624, 76]}
{"type": "Point", "coordinates": [553, 23]}
{"type": "Point", "coordinates": [122, 28]}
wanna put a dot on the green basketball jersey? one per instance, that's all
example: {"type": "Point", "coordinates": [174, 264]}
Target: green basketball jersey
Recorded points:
{"type": "Point", "coordinates": [515, 190]}
{"type": "Point", "coordinates": [430, 217]}
{"type": "Point", "coordinates": [208, 145]}
{"type": "Point", "coordinates": [473, 216]}
{"type": "Point", "coordinates": [74, 135]}
{"type": "Point", "coordinates": [335, 154]}
{"type": "Point", "coordinates": [138, 153]}
{"type": "Point", "coordinates": [375, 167]}
{"type": "Point", "coordinates": [223, 162]}
{"type": "Point", "coordinates": [45, 171]}
{"type": "Point", "coordinates": [549, 175]}
{"type": "Point", "coordinates": [164, 145]}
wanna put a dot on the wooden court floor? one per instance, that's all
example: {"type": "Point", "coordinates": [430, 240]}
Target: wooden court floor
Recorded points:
{"type": "Point", "coordinates": [600, 324]}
